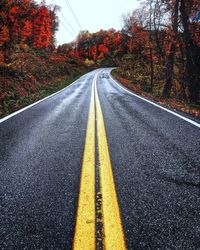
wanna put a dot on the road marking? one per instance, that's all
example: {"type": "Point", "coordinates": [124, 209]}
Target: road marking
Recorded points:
{"type": "Point", "coordinates": [169, 111]}
{"type": "Point", "coordinates": [85, 230]}
{"type": "Point", "coordinates": [112, 226]}
{"type": "Point", "coordinates": [85, 225]}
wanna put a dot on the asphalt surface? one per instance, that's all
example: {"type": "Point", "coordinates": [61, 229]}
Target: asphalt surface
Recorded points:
{"type": "Point", "coordinates": [41, 155]}
{"type": "Point", "coordinates": [156, 165]}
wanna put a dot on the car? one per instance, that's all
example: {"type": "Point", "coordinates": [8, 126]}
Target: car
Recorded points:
{"type": "Point", "coordinates": [104, 75]}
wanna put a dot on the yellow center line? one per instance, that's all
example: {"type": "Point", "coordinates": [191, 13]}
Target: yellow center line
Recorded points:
{"type": "Point", "coordinates": [112, 226]}
{"type": "Point", "coordinates": [84, 237]}
{"type": "Point", "coordinates": [113, 236]}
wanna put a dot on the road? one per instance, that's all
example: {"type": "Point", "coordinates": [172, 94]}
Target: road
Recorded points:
{"type": "Point", "coordinates": [95, 163]}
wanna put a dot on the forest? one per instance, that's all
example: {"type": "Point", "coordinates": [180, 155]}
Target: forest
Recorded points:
{"type": "Point", "coordinates": [157, 53]}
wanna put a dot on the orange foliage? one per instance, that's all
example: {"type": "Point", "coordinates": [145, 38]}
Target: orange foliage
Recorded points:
{"type": "Point", "coordinates": [42, 28]}
{"type": "Point", "coordinates": [24, 21]}
{"type": "Point", "coordinates": [139, 39]}
{"type": "Point", "coordinates": [106, 41]}
{"type": "Point", "coordinates": [101, 56]}
{"type": "Point", "coordinates": [13, 13]}
{"type": "Point", "coordinates": [117, 39]}
{"type": "Point", "coordinates": [102, 48]}
{"type": "Point", "coordinates": [93, 52]}
{"type": "Point", "coordinates": [4, 34]}
{"type": "Point", "coordinates": [58, 58]}
{"type": "Point", "coordinates": [27, 30]}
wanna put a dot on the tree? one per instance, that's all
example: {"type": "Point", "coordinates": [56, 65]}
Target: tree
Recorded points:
{"type": "Point", "coordinates": [42, 28]}
{"type": "Point", "coordinates": [24, 21]}
{"type": "Point", "coordinates": [173, 33]}
{"type": "Point", "coordinates": [192, 49]}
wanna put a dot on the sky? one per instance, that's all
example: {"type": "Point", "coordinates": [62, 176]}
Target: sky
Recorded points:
{"type": "Point", "coordinates": [90, 15]}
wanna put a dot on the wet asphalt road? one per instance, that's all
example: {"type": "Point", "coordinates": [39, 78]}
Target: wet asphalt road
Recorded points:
{"type": "Point", "coordinates": [156, 165]}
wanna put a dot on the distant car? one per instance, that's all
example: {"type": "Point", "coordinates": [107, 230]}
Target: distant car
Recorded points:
{"type": "Point", "coordinates": [104, 75]}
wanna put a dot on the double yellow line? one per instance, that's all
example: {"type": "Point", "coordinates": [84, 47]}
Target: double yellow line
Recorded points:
{"type": "Point", "coordinates": [85, 231]}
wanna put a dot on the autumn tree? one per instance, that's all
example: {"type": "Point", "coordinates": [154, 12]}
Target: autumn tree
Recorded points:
{"type": "Point", "coordinates": [26, 22]}
{"type": "Point", "coordinates": [173, 37]}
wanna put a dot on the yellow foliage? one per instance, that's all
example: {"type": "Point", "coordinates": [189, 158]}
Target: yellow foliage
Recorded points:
{"type": "Point", "coordinates": [89, 62]}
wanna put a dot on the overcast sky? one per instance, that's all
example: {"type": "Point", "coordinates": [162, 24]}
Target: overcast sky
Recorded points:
{"type": "Point", "coordinates": [91, 15]}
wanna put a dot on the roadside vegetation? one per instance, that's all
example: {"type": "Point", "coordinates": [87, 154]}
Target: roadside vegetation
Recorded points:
{"type": "Point", "coordinates": [157, 53]}
{"type": "Point", "coordinates": [30, 65]}
{"type": "Point", "coordinates": [163, 55]}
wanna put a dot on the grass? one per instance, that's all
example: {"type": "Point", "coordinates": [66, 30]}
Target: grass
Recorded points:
{"type": "Point", "coordinates": [12, 105]}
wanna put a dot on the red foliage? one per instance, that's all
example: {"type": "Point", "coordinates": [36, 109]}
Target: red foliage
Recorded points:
{"type": "Point", "coordinates": [13, 13]}
{"type": "Point", "coordinates": [1, 57]}
{"type": "Point", "coordinates": [22, 92]}
{"type": "Point", "coordinates": [2, 95]}
{"type": "Point", "coordinates": [93, 52]}
{"type": "Point", "coordinates": [139, 39]}
{"type": "Point", "coordinates": [102, 48]}
{"type": "Point", "coordinates": [16, 31]}
{"type": "Point", "coordinates": [4, 34]}
{"type": "Point", "coordinates": [117, 39]}
{"type": "Point", "coordinates": [27, 30]}
{"type": "Point", "coordinates": [42, 28]}
{"type": "Point", "coordinates": [106, 41]}
{"type": "Point", "coordinates": [74, 53]}
{"type": "Point", "coordinates": [101, 56]}
{"type": "Point", "coordinates": [24, 21]}
{"type": "Point", "coordinates": [58, 59]}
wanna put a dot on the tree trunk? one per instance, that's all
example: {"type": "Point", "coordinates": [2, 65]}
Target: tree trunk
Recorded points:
{"type": "Point", "coordinates": [192, 57]}
{"type": "Point", "coordinates": [170, 59]}
{"type": "Point", "coordinates": [157, 29]}
{"type": "Point", "coordinates": [182, 94]}
{"type": "Point", "coordinates": [151, 50]}
{"type": "Point", "coordinates": [152, 70]}
{"type": "Point", "coordinates": [169, 72]}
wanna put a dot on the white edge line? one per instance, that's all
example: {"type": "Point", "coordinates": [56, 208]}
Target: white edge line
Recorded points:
{"type": "Point", "coordinates": [144, 99]}
{"type": "Point", "coordinates": [35, 103]}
